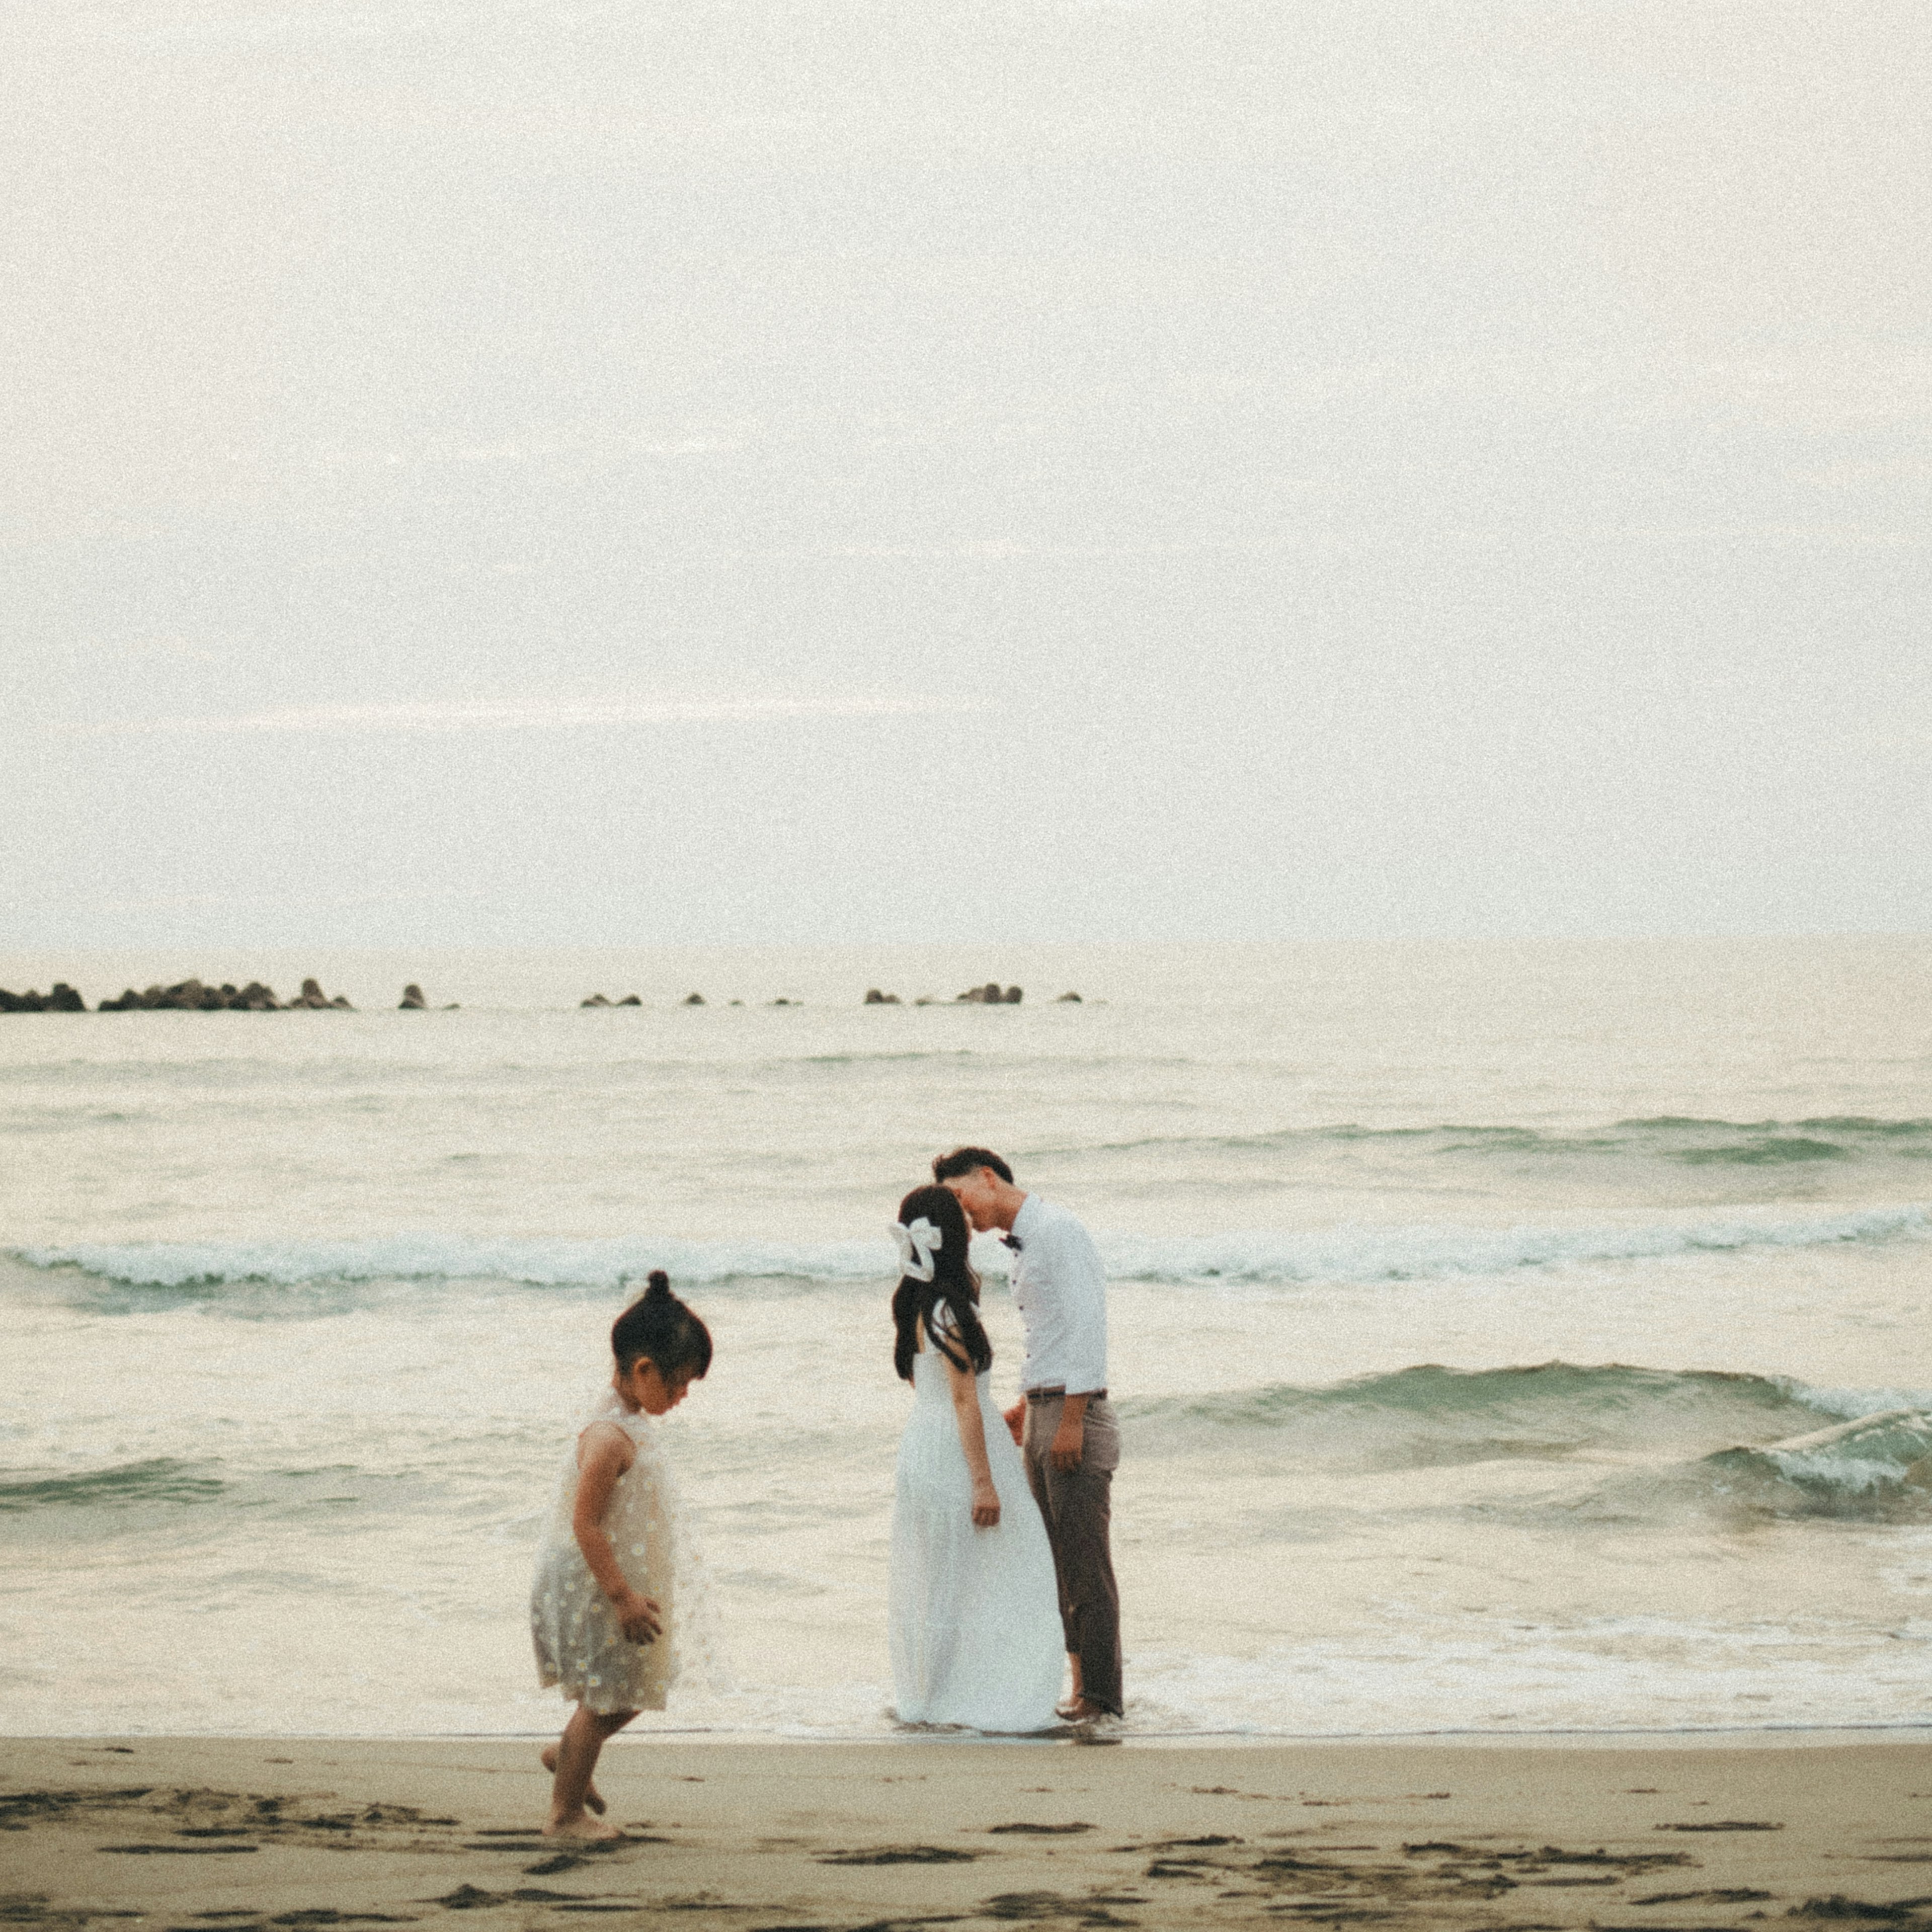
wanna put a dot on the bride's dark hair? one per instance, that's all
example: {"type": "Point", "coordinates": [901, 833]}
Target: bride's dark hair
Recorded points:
{"type": "Point", "coordinates": [953, 1282]}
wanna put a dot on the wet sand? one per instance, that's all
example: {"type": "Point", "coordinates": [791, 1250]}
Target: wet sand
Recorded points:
{"type": "Point", "coordinates": [232, 1835]}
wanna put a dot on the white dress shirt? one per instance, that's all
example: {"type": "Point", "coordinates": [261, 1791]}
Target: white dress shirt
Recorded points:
{"type": "Point", "coordinates": [1061, 1290]}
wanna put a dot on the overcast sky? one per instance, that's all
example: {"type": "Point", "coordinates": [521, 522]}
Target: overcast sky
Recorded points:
{"type": "Point", "coordinates": [514, 471]}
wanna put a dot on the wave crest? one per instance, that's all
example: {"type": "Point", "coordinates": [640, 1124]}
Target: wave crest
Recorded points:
{"type": "Point", "coordinates": [1350, 1254]}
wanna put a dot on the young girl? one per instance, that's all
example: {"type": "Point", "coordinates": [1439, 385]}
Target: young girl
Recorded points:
{"type": "Point", "coordinates": [600, 1609]}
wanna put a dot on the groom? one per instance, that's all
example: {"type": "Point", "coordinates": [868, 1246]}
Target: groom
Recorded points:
{"type": "Point", "coordinates": [1070, 1440]}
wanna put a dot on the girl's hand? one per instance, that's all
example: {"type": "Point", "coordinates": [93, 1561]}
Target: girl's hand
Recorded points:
{"type": "Point", "coordinates": [640, 1619]}
{"type": "Point", "coordinates": [985, 1506]}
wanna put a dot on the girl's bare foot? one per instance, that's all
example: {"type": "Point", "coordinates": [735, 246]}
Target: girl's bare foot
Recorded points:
{"type": "Point", "coordinates": [581, 1827]}
{"type": "Point", "coordinates": [593, 1798]}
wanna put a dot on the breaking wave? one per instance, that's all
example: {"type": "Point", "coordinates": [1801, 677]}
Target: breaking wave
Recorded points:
{"type": "Point", "coordinates": [1429, 1413]}
{"type": "Point", "coordinates": [1351, 1255]}
{"type": "Point", "coordinates": [1685, 1140]}
{"type": "Point", "coordinates": [164, 1479]}
{"type": "Point", "coordinates": [1646, 1442]}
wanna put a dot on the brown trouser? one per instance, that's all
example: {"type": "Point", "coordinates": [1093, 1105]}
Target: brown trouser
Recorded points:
{"type": "Point", "coordinates": [1077, 1505]}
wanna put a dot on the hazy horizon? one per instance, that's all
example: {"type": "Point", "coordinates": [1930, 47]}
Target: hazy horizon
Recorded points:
{"type": "Point", "coordinates": [557, 472]}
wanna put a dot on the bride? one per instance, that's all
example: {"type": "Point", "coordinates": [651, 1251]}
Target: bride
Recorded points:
{"type": "Point", "coordinates": [976, 1632]}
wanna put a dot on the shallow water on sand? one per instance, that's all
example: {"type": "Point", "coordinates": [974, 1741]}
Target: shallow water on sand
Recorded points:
{"type": "Point", "coordinates": [1458, 1290]}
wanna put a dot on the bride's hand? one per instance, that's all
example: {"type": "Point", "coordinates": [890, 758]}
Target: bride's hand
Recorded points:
{"type": "Point", "coordinates": [985, 1506]}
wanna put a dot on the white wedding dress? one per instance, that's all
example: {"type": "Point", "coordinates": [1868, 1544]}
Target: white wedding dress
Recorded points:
{"type": "Point", "coordinates": [976, 1632]}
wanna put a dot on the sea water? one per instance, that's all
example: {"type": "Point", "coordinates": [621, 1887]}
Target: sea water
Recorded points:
{"type": "Point", "coordinates": [1460, 1296]}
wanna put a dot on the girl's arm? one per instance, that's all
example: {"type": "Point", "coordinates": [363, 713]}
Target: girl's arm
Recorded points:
{"type": "Point", "coordinates": [972, 1440]}
{"type": "Point", "coordinates": [603, 1454]}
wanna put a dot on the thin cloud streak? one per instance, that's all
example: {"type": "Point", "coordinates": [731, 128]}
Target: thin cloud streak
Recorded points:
{"type": "Point", "coordinates": [516, 717]}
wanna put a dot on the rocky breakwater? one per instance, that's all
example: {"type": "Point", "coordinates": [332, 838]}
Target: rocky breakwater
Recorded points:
{"type": "Point", "coordinates": [988, 995]}
{"type": "Point", "coordinates": [62, 1000]}
{"type": "Point", "coordinates": [196, 996]}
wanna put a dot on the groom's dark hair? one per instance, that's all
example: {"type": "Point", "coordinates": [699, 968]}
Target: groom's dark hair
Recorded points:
{"type": "Point", "coordinates": [968, 1159]}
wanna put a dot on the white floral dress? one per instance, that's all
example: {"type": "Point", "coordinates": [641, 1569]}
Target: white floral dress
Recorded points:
{"type": "Point", "coordinates": [573, 1626]}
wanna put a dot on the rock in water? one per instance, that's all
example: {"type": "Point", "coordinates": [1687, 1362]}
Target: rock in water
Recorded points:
{"type": "Point", "coordinates": [595, 999]}
{"type": "Point", "coordinates": [693, 1000]}
{"type": "Point", "coordinates": [412, 1000]}
{"type": "Point", "coordinates": [630, 1000]}
{"type": "Point", "coordinates": [1014, 996]}
{"type": "Point", "coordinates": [1066, 999]}
{"type": "Point", "coordinates": [62, 1000]}
{"type": "Point", "coordinates": [874, 997]}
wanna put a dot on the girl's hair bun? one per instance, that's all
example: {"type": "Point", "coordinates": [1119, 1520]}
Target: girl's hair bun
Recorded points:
{"type": "Point", "coordinates": [659, 1325]}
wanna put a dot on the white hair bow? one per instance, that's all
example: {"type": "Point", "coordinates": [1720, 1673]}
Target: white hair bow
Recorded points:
{"type": "Point", "coordinates": [917, 1246]}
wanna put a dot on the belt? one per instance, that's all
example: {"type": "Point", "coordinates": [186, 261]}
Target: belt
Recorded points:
{"type": "Point", "coordinates": [1056, 1394]}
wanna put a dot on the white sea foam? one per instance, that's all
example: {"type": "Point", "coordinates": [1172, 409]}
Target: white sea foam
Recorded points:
{"type": "Point", "coordinates": [1262, 1257]}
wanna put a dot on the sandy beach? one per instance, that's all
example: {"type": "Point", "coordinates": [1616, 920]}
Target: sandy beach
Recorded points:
{"type": "Point", "coordinates": [225, 1835]}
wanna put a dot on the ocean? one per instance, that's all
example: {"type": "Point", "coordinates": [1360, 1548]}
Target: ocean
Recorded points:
{"type": "Point", "coordinates": [1462, 1294]}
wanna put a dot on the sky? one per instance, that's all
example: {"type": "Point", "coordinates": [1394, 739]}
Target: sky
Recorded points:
{"type": "Point", "coordinates": [573, 472]}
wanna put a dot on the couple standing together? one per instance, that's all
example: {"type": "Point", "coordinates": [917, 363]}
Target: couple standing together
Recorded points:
{"type": "Point", "coordinates": [1001, 1560]}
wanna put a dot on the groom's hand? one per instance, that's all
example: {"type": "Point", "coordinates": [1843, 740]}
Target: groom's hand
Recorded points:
{"type": "Point", "coordinates": [1069, 1440]}
{"type": "Point", "coordinates": [1016, 1421]}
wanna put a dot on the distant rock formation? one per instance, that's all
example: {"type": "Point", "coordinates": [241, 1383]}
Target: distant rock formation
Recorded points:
{"type": "Point", "coordinates": [692, 1000]}
{"type": "Point", "coordinates": [788, 1003]}
{"type": "Point", "coordinates": [595, 999]}
{"type": "Point", "coordinates": [313, 997]}
{"type": "Point", "coordinates": [874, 997]}
{"type": "Point", "coordinates": [192, 996]}
{"type": "Point", "coordinates": [630, 1000]}
{"type": "Point", "coordinates": [63, 999]}
{"type": "Point", "coordinates": [1069, 999]}
{"type": "Point", "coordinates": [412, 1000]}
{"type": "Point", "coordinates": [989, 995]}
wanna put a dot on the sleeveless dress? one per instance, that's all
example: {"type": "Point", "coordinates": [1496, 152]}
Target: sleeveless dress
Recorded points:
{"type": "Point", "coordinates": [573, 1624]}
{"type": "Point", "coordinates": [975, 1614]}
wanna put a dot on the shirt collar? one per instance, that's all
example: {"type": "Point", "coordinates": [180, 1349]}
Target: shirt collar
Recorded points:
{"type": "Point", "coordinates": [1024, 1221]}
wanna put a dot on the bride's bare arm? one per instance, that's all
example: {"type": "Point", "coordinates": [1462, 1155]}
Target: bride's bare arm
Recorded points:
{"type": "Point", "coordinates": [972, 1440]}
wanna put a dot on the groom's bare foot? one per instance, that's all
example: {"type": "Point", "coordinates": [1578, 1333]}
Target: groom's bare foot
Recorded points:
{"type": "Point", "coordinates": [593, 1798]}
{"type": "Point", "coordinates": [1082, 1710]}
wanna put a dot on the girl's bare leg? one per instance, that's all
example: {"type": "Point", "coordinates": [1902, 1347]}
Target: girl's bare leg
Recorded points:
{"type": "Point", "coordinates": [576, 1752]}
{"type": "Point", "coordinates": [593, 1798]}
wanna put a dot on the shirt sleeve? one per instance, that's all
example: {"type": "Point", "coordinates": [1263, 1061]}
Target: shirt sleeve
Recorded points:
{"type": "Point", "coordinates": [1082, 1283]}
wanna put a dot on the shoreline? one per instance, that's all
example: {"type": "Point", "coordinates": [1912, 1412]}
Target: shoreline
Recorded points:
{"type": "Point", "coordinates": [786, 1836]}
{"type": "Point", "coordinates": [1905, 1732]}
